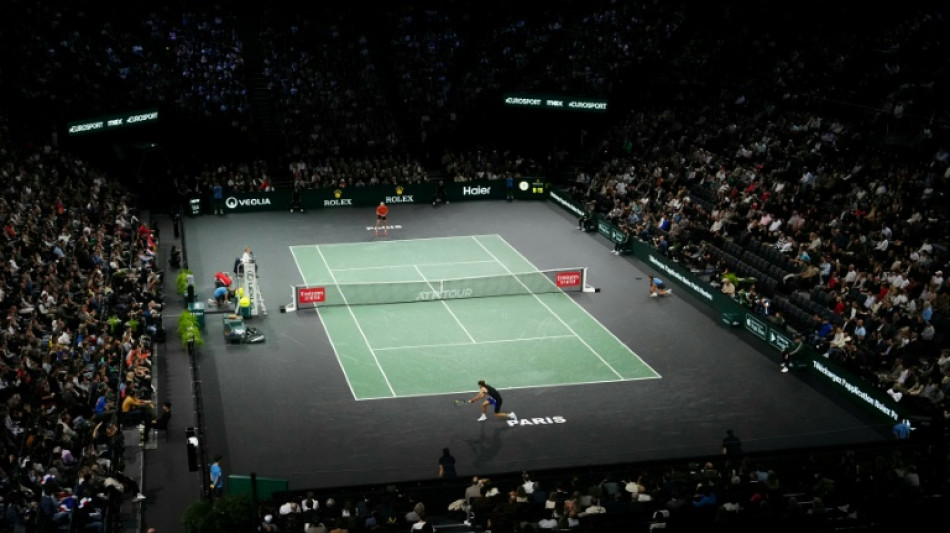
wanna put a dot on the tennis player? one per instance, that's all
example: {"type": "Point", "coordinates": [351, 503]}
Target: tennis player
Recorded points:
{"type": "Point", "coordinates": [382, 211]}
{"type": "Point", "coordinates": [492, 397]}
{"type": "Point", "coordinates": [657, 288]}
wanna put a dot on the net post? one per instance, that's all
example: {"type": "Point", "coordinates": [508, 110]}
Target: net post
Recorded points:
{"type": "Point", "coordinates": [587, 288]}
{"type": "Point", "coordinates": [292, 306]}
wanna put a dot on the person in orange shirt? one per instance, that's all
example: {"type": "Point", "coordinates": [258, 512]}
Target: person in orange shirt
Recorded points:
{"type": "Point", "coordinates": [135, 410]}
{"type": "Point", "coordinates": [382, 210]}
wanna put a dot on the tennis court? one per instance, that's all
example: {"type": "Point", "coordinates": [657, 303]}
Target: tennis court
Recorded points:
{"type": "Point", "coordinates": [410, 319]}
{"type": "Point", "coordinates": [305, 392]}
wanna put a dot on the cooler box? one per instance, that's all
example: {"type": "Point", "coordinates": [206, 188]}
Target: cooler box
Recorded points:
{"type": "Point", "coordinates": [198, 309]}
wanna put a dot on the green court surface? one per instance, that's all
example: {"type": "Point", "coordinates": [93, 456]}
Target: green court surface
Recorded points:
{"type": "Point", "coordinates": [442, 346]}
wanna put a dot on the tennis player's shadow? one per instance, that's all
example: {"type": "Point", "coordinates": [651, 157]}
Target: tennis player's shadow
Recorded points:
{"type": "Point", "coordinates": [488, 444]}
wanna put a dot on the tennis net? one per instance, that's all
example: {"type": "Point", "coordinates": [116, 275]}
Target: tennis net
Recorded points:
{"type": "Point", "coordinates": [527, 283]}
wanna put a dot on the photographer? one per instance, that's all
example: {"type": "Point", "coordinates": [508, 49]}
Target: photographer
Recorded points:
{"type": "Point", "coordinates": [587, 221]}
{"type": "Point", "coordinates": [791, 353]}
{"type": "Point", "coordinates": [622, 245]}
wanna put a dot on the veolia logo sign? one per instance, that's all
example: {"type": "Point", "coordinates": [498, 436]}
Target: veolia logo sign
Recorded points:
{"type": "Point", "coordinates": [234, 203]}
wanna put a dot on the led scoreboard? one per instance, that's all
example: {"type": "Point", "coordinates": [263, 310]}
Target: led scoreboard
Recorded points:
{"type": "Point", "coordinates": [531, 187]}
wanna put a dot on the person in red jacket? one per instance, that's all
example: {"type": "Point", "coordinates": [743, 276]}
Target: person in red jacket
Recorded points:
{"type": "Point", "coordinates": [382, 211]}
{"type": "Point", "coordinates": [222, 279]}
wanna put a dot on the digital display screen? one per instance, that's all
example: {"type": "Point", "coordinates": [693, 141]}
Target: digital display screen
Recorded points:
{"type": "Point", "coordinates": [111, 122]}
{"type": "Point", "coordinates": [540, 101]}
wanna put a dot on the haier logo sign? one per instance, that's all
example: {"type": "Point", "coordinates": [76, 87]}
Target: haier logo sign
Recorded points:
{"type": "Point", "coordinates": [234, 203]}
{"type": "Point", "coordinates": [475, 191]}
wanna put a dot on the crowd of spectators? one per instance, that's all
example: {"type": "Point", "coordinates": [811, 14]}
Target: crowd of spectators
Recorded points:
{"type": "Point", "coordinates": [840, 489]}
{"type": "Point", "coordinates": [324, 82]}
{"type": "Point", "coordinates": [843, 236]}
{"type": "Point", "coordinates": [340, 173]}
{"type": "Point", "coordinates": [90, 59]}
{"type": "Point", "coordinates": [487, 163]}
{"type": "Point", "coordinates": [811, 175]}
{"type": "Point", "coordinates": [81, 297]}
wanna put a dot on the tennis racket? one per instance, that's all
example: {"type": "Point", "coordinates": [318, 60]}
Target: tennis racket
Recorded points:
{"type": "Point", "coordinates": [459, 402]}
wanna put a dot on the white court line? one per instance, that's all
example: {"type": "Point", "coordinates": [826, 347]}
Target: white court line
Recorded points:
{"type": "Point", "coordinates": [525, 387]}
{"type": "Point", "coordinates": [402, 242]}
{"type": "Point", "coordinates": [581, 307]}
{"type": "Point", "coordinates": [322, 323]}
{"type": "Point", "coordinates": [557, 316]}
{"type": "Point", "coordinates": [410, 265]}
{"type": "Point", "coordinates": [360, 328]}
{"type": "Point", "coordinates": [454, 344]}
{"type": "Point", "coordinates": [447, 308]}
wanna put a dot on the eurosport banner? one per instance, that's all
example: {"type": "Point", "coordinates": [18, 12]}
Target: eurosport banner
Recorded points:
{"type": "Point", "coordinates": [528, 188]}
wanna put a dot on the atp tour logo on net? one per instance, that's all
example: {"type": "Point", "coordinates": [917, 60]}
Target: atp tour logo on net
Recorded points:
{"type": "Point", "coordinates": [337, 200]}
{"type": "Point", "coordinates": [447, 294]}
{"type": "Point", "coordinates": [312, 295]}
{"type": "Point", "coordinates": [539, 421]}
{"type": "Point", "coordinates": [568, 279]}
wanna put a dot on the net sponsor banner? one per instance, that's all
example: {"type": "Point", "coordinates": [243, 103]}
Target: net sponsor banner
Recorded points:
{"type": "Point", "coordinates": [569, 279]}
{"type": "Point", "coordinates": [311, 295]}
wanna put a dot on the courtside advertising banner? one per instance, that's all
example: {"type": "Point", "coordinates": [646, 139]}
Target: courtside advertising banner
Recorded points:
{"type": "Point", "coordinates": [527, 188]}
{"type": "Point", "coordinates": [569, 279]}
{"type": "Point", "coordinates": [311, 295]}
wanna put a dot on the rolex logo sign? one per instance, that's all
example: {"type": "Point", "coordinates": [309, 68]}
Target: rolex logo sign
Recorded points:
{"type": "Point", "coordinates": [400, 198]}
{"type": "Point", "coordinates": [337, 200]}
